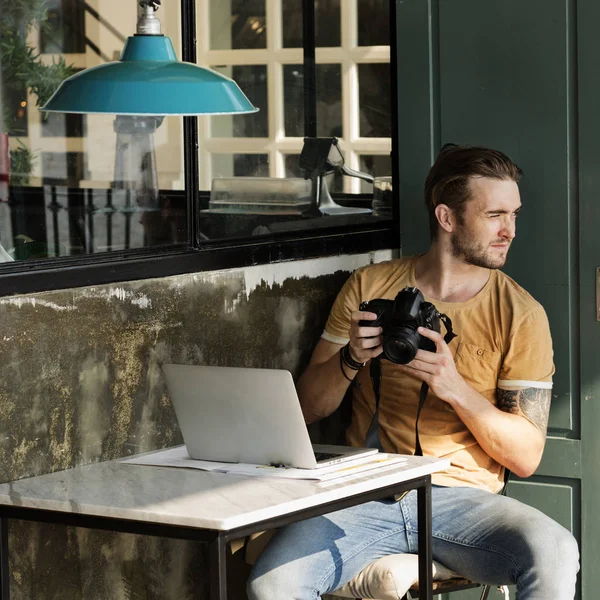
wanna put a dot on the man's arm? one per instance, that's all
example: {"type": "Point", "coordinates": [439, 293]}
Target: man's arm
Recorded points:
{"type": "Point", "coordinates": [531, 403]}
{"type": "Point", "coordinates": [322, 386]}
{"type": "Point", "coordinates": [513, 433]}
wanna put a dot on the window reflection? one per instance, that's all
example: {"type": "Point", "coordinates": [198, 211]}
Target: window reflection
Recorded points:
{"type": "Point", "coordinates": [240, 165]}
{"type": "Point", "coordinates": [252, 80]}
{"type": "Point", "coordinates": [329, 100]}
{"type": "Point", "coordinates": [374, 89]}
{"type": "Point", "coordinates": [327, 23]}
{"type": "Point", "coordinates": [373, 22]}
{"type": "Point", "coordinates": [59, 221]}
{"type": "Point", "coordinates": [378, 165]}
{"type": "Point", "coordinates": [237, 24]}
{"type": "Point", "coordinates": [63, 125]}
{"type": "Point", "coordinates": [64, 28]}
{"type": "Point", "coordinates": [75, 189]}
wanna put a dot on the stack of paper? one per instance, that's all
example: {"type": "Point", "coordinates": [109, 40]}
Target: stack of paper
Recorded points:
{"type": "Point", "coordinates": [178, 457]}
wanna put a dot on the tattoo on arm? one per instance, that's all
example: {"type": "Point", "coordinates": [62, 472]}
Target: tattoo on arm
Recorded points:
{"type": "Point", "coordinates": [531, 403]}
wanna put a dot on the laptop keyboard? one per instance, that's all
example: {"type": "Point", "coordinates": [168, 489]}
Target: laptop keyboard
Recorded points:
{"type": "Point", "coordinates": [322, 456]}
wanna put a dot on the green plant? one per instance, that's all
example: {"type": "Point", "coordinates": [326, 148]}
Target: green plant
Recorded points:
{"type": "Point", "coordinates": [22, 69]}
{"type": "Point", "coordinates": [21, 164]}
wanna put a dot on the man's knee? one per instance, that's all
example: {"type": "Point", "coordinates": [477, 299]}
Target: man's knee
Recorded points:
{"type": "Point", "coordinates": [553, 560]}
{"type": "Point", "coordinates": [557, 552]}
{"type": "Point", "coordinates": [260, 588]}
{"type": "Point", "coordinates": [275, 584]}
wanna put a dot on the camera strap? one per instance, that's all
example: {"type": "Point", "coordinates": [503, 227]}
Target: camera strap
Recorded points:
{"type": "Point", "coordinates": [372, 438]}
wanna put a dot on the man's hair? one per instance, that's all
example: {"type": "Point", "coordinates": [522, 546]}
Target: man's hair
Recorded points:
{"type": "Point", "coordinates": [448, 179]}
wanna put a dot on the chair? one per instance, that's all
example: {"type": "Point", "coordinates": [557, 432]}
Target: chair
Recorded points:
{"type": "Point", "coordinates": [396, 576]}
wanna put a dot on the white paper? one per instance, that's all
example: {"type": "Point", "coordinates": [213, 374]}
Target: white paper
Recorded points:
{"type": "Point", "coordinates": [178, 457]}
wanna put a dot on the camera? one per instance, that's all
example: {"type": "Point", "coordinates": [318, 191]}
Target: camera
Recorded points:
{"type": "Point", "coordinates": [400, 319]}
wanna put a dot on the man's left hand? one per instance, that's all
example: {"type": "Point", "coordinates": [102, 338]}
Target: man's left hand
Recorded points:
{"type": "Point", "coordinates": [437, 369]}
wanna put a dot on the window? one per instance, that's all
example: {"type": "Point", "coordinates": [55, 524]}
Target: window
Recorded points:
{"type": "Point", "coordinates": [259, 44]}
{"type": "Point", "coordinates": [86, 184]}
{"type": "Point", "coordinates": [86, 187]}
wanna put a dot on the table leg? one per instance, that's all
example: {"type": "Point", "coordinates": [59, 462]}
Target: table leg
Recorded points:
{"type": "Point", "coordinates": [218, 568]}
{"type": "Point", "coordinates": [425, 558]}
{"type": "Point", "coordinates": [4, 574]}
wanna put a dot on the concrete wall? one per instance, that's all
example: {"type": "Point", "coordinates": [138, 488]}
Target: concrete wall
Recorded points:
{"type": "Point", "coordinates": [80, 382]}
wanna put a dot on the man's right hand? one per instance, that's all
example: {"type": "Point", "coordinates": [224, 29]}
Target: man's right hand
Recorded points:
{"type": "Point", "coordinates": [365, 342]}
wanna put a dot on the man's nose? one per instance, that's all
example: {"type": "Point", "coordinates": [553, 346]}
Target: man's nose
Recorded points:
{"type": "Point", "coordinates": [509, 228]}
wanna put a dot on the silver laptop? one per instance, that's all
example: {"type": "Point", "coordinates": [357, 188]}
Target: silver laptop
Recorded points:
{"type": "Point", "coordinates": [246, 415]}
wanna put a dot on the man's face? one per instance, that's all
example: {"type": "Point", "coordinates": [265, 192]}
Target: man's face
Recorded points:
{"type": "Point", "coordinates": [486, 228]}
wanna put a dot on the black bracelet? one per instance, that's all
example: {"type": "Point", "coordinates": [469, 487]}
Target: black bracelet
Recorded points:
{"type": "Point", "coordinates": [342, 369]}
{"type": "Point", "coordinates": [348, 360]}
{"type": "Point", "coordinates": [353, 382]}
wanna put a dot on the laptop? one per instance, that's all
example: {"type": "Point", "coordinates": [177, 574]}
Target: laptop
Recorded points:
{"type": "Point", "coordinates": [231, 414]}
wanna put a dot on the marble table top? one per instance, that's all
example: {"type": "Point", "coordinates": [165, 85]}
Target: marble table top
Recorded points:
{"type": "Point", "coordinates": [192, 498]}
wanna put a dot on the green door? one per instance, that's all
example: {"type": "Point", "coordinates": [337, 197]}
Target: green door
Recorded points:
{"type": "Point", "coordinates": [524, 77]}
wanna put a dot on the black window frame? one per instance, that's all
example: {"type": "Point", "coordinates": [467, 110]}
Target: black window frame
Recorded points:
{"type": "Point", "coordinates": [29, 276]}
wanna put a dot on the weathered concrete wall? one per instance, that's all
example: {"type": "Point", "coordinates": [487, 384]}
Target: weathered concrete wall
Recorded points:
{"type": "Point", "coordinates": [80, 381]}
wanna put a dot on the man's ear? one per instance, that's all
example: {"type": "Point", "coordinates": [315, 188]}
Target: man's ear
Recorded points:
{"type": "Point", "coordinates": [446, 217]}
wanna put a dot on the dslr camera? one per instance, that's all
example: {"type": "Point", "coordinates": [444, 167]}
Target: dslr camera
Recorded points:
{"type": "Point", "coordinates": [400, 319]}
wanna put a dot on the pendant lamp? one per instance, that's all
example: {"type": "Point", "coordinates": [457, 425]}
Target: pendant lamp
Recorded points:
{"type": "Point", "coordinates": [149, 80]}
{"type": "Point", "coordinates": [145, 85]}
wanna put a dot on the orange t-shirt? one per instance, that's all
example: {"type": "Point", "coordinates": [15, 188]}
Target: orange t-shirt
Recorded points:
{"type": "Point", "coordinates": [503, 341]}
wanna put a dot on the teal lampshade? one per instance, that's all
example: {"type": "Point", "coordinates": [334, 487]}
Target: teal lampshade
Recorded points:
{"type": "Point", "coordinates": [149, 80]}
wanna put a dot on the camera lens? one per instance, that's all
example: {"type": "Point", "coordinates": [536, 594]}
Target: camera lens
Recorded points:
{"type": "Point", "coordinates": [401, 344]}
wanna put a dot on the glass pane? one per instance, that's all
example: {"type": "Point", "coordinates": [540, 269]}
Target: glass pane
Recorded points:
{"type": "Point", "coordinates": [253, 82]}
{"type": "Point", "coordinates": [63, 125]}
{"type": "Point", "coordinates": [292, 165]}
{"type": "Point", "coordinates": [374, 97]}
{"type": "Point", "coordinates": [293, 100]}
{"type": "Point", "coordinates": [335, 181]}
{"type": "Point", "coordinates": [378, 165]}
{"type": "Point", "coordinates": [240, 165]}
{"type": "Point", "coordinates": [235, 207]}
{"type": "Point", "coordinates": [64, 28]}
{"type": "Point", "coordinates": [237, 24]}
{"type": "Point", "coordinates": [373, 22]}
{"type": "Point", "coordinates": [327, 23]}
{"type": "Point", "coordinates": [81, 184]}
{"type": "Point", "coordinates": [329, 100]}
{"type": "Point", "coordinates": [15, 115]}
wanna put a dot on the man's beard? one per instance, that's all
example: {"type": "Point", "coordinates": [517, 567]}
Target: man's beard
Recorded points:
{"type": "Point", "coordinates": [472, 253]}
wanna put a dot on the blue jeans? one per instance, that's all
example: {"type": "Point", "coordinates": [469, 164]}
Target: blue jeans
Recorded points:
{"type": "Point", "coordinates": [483, 536]}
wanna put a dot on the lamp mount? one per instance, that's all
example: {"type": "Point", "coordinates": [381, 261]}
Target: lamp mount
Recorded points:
{"type": "Point", "coordinates": [148, 24]}
{"type": "Point", "coordinates": [153, 3]}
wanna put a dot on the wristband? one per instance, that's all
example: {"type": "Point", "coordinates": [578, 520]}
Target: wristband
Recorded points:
{"type": "Point", "coordinates": [343, 371]}
{"type": "Point", "coordinates": [348, 360]}
{"type": "Point", "coordinates": [353, 382]}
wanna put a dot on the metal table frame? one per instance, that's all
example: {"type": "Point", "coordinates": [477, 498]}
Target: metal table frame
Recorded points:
{"type": "Point", "coordinates": [218, 539]}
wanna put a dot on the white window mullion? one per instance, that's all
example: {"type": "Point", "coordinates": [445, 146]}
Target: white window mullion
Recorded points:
{"type": "Point", "coordinates": [349, 25]}
{"type": "Point", "coordinates": [253, 145]}
{"type": "Point", "coordinates": [370, 54]}
{"type": "Point", "coordinates": [276, 116]}
{"type": "Point", "coordinates": [274, 84]}
{"type": "Point", "coordinates": [258, 56]}
{"type": "Point", "coordinates": [204, 134]}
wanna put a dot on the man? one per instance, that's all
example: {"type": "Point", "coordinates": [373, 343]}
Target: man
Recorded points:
{"type": "Point", "coordinates": [487, 409]}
